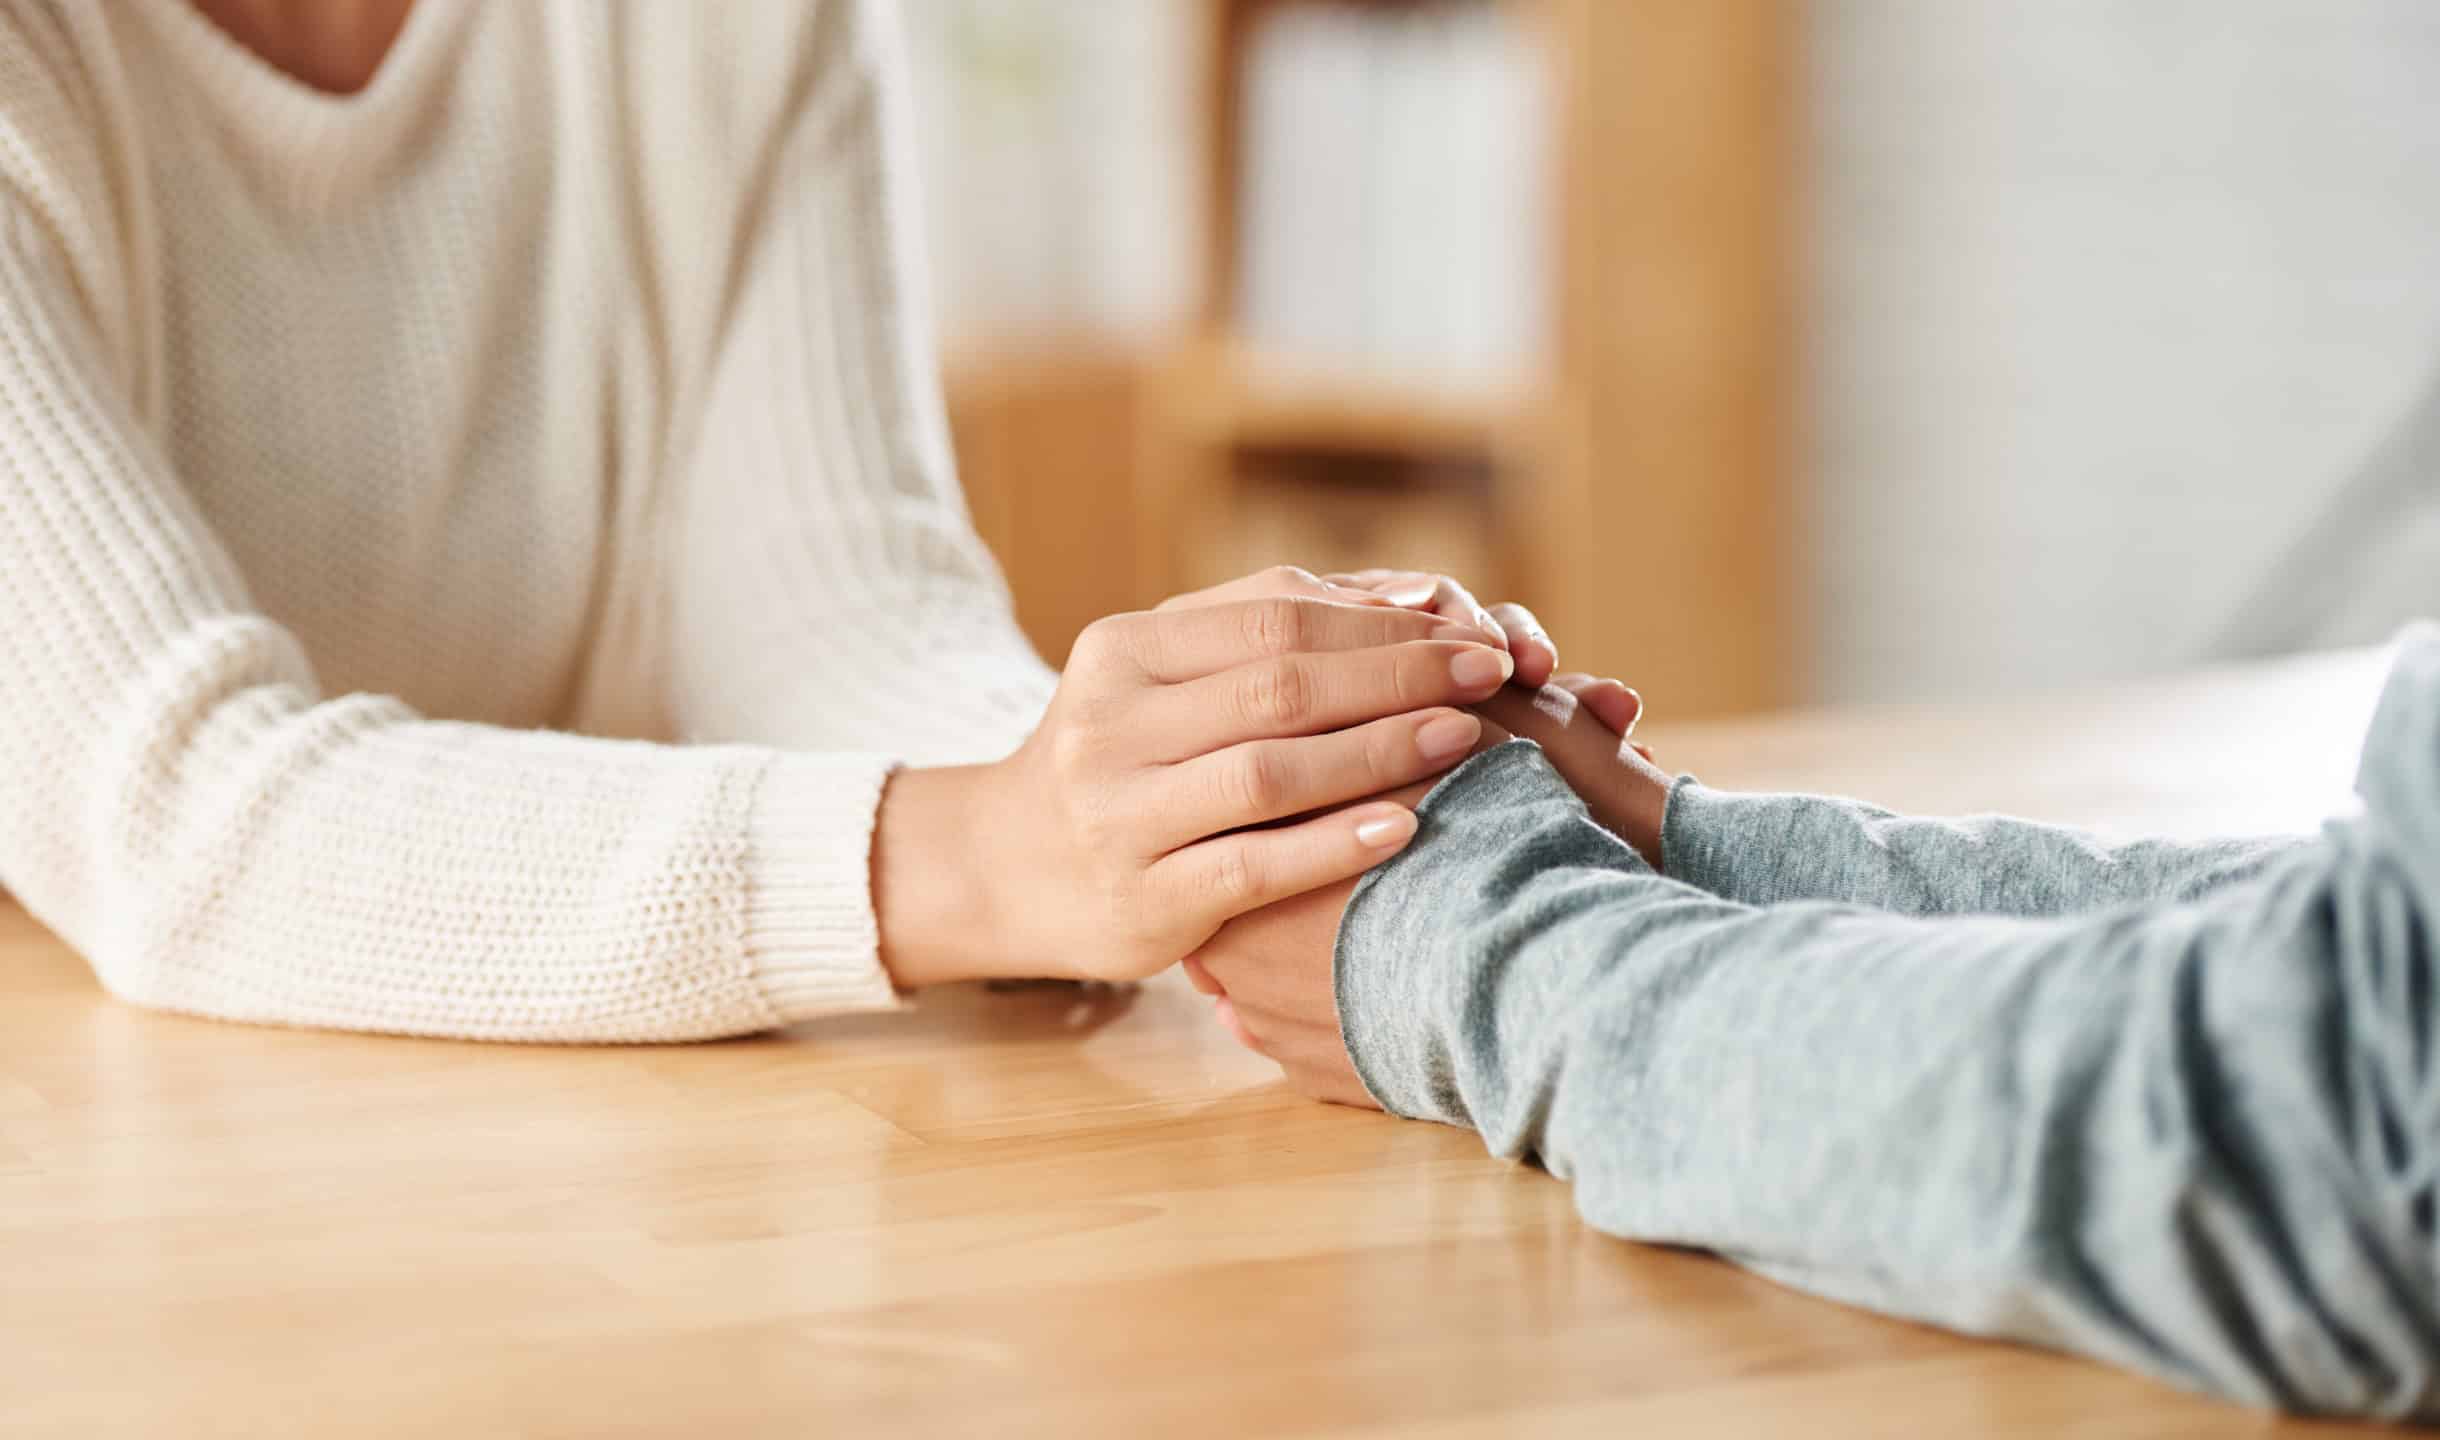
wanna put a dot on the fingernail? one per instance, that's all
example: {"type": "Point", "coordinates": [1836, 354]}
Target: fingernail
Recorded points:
{"type": "Point", "coordinates": [1384, 830]}
{"type": "Point", "coordinates": [1415, 593]}
{"type": "Point", "coordinates": [1481, 669]}
{"type": "Point", "coordinates": [1448, 735]}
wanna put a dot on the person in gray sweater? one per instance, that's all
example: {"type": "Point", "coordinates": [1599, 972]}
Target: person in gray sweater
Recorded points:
{"type": "Point", "coordinates": [2173, 1106]}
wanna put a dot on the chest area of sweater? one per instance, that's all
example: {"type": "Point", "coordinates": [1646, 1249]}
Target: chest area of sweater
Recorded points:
{"type": "Point", "coordinates": [410, 421]}
{"type": "Point", "coordinates": [423, 332]}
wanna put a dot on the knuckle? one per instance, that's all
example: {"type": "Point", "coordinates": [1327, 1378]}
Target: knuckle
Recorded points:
{"type": "Point", "coordinates": [1075, 748]}
{"type": "Point", "coordinates": [1098, 643]}
{"type": "Point", "coordinates": [1275, 625]}
{"type": "Point", "coordinates": [1232, 880]}
{"type": "Point", "coordinates": [1277, 695]}
{"type": "Point", "coordinates": [1258, 783]}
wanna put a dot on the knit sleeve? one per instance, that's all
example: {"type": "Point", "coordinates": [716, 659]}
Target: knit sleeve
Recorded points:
{"type": "Point", "coordinates": [2191, 1138]}
{"type": "Point", "coordinates": [183, 804]}
{"type": "Point", "coordinates": [830, 588]}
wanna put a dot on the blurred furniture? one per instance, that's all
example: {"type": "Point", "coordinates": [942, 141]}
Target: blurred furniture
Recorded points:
{"type": "Point", "coordinates": [1055, 449]}
{"type": "Point", "coordinates": [1630, 482]}
{"type": "Point", "coordinates": [1044, 1212]}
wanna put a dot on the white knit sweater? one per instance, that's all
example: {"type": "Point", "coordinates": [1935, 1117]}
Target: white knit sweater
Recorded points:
{"type": "Point", "coordinates": [353, 451]}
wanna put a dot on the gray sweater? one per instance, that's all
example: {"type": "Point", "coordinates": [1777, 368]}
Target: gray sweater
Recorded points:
{"type": "Point", "coordinates": [2175, 1106]}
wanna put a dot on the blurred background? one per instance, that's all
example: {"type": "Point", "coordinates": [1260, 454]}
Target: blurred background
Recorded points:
{"type": "Point", "coordinates": [1776, 352]}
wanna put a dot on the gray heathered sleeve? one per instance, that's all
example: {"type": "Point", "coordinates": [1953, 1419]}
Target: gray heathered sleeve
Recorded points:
{"type": "Point", "coordinates": [1762, 849]}
{"type": "Point", "coordinates": [2199, 1139]}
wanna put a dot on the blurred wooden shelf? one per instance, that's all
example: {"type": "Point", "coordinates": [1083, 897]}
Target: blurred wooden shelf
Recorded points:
{"type": "Point", "coordinates": [1653, 420]}
{"type": "Point", "coordinates": [1232, 398]}
{"type": "Point", "coordinates": [1658, 406]}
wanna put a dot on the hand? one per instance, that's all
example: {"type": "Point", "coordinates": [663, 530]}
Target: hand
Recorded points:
{"type": "Point", "coordinates": [1271, 976]}
{"type": "Point", "coordinates": [1583, 726]}
{"type": "Point", "coordinates": [1520, 632]}
{"type": "Point", "coordinates": [1139, 817]}
{"type": "Point", "coordinates": [1612, 702]}
{"type": "Point", "coordinates": [1511, 626]}
{"type": "Point", "coordinates": [1271, 973]}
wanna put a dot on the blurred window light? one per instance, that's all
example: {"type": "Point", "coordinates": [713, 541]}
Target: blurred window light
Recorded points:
{"type": "Point", "coordinates": [1057, 142]}
{"type": "Point", "coordinates": [1391, 212]}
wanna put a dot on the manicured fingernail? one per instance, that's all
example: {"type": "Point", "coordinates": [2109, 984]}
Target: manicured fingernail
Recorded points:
{"type": "Point", "coordinates": [1391, 827]}
{"type": "Point", "coordinates": [1413, 593]}
{"type": "Point", "coordinates": [1448, 735]}
{"type": "Point", "coordinates": [1481, 669]}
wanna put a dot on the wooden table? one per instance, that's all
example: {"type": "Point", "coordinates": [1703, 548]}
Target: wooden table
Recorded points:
{"type": "Point", "coordinates": [1004, 1213]}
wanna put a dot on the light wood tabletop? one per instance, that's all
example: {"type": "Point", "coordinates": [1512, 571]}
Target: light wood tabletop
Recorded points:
{"type": "Point", "coordinates": [1045, 1211]}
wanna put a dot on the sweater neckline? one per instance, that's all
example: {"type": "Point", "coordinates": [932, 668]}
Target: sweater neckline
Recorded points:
{"type": "Point", "coordinates": [320, 142]}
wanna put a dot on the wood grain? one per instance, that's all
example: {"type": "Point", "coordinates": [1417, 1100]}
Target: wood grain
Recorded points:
{"type": "Point", "coordinates": [1054, 448]}
{"type": "Point", "coordinates": [1655, 531]}
{"type": "Point", "coordinates": [1041, 1212]}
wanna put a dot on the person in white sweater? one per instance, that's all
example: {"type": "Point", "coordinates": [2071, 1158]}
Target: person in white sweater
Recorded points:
{"type": "Point", "coordinates": [479, 554]}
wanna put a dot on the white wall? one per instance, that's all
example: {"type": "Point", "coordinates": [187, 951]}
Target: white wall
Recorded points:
{"type": "Point", "coordinates": [2107, 298]}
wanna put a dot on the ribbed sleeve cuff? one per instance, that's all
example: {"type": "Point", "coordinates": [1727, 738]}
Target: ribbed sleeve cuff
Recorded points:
{"type": "Point", "coordinates": [811, 934]}
{"type": "Point", "coordinates": [1692, 845]}
{"type": "Point", "coordinates": [1399, 967]}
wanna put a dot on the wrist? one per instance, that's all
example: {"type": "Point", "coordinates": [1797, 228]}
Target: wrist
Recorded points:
{"type": "Point", "coordinates": [1630, 799]}
{"type": "Point", "coordinates": [931, 883]}
{"type": "Point", "coordinates": [1642, 805]}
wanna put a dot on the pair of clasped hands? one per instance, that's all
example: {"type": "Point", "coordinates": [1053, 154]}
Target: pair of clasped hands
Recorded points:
{"type": "Point", "coordinates": [1211, 779]}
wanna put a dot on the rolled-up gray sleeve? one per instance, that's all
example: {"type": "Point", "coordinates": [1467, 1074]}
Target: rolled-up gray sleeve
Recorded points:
{"type": "Point", "coordinates": [2198, 1138]}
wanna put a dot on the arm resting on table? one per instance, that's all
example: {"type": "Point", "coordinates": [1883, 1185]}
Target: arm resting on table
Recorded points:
{"type": "Point", "coordinates": [1762, 849]}
{"type": "Point", "coordinates": [2199, 1140]}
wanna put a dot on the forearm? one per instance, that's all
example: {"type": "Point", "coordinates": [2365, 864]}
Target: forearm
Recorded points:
{"type": "Point", "coordinates": [1761, 849]}
{"type": "Point", "coordinates": [2119, 1134]}
{"type": "Point", "coordinates": [248, 852]}
{"type": "Point", "coordinates": [180, 800]}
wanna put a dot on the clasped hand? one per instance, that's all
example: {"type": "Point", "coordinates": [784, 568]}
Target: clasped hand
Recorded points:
{"type": "Point", "coordinates": [1197, 762]}
{"type": "Point", "coordinates": [1270, 972]}
{"type": "Point", "coordinates": [1208, 782]}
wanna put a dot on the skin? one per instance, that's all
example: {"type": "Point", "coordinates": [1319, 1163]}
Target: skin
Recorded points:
{"type": "Point", "coordinates": [1226, 752]}
{"type": "Point", "coordinates": [335, 46]}
{"type": "Point", "coordinates": [1270, 973]}
{"type": "Point", "coordinates": [1198, 762]}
